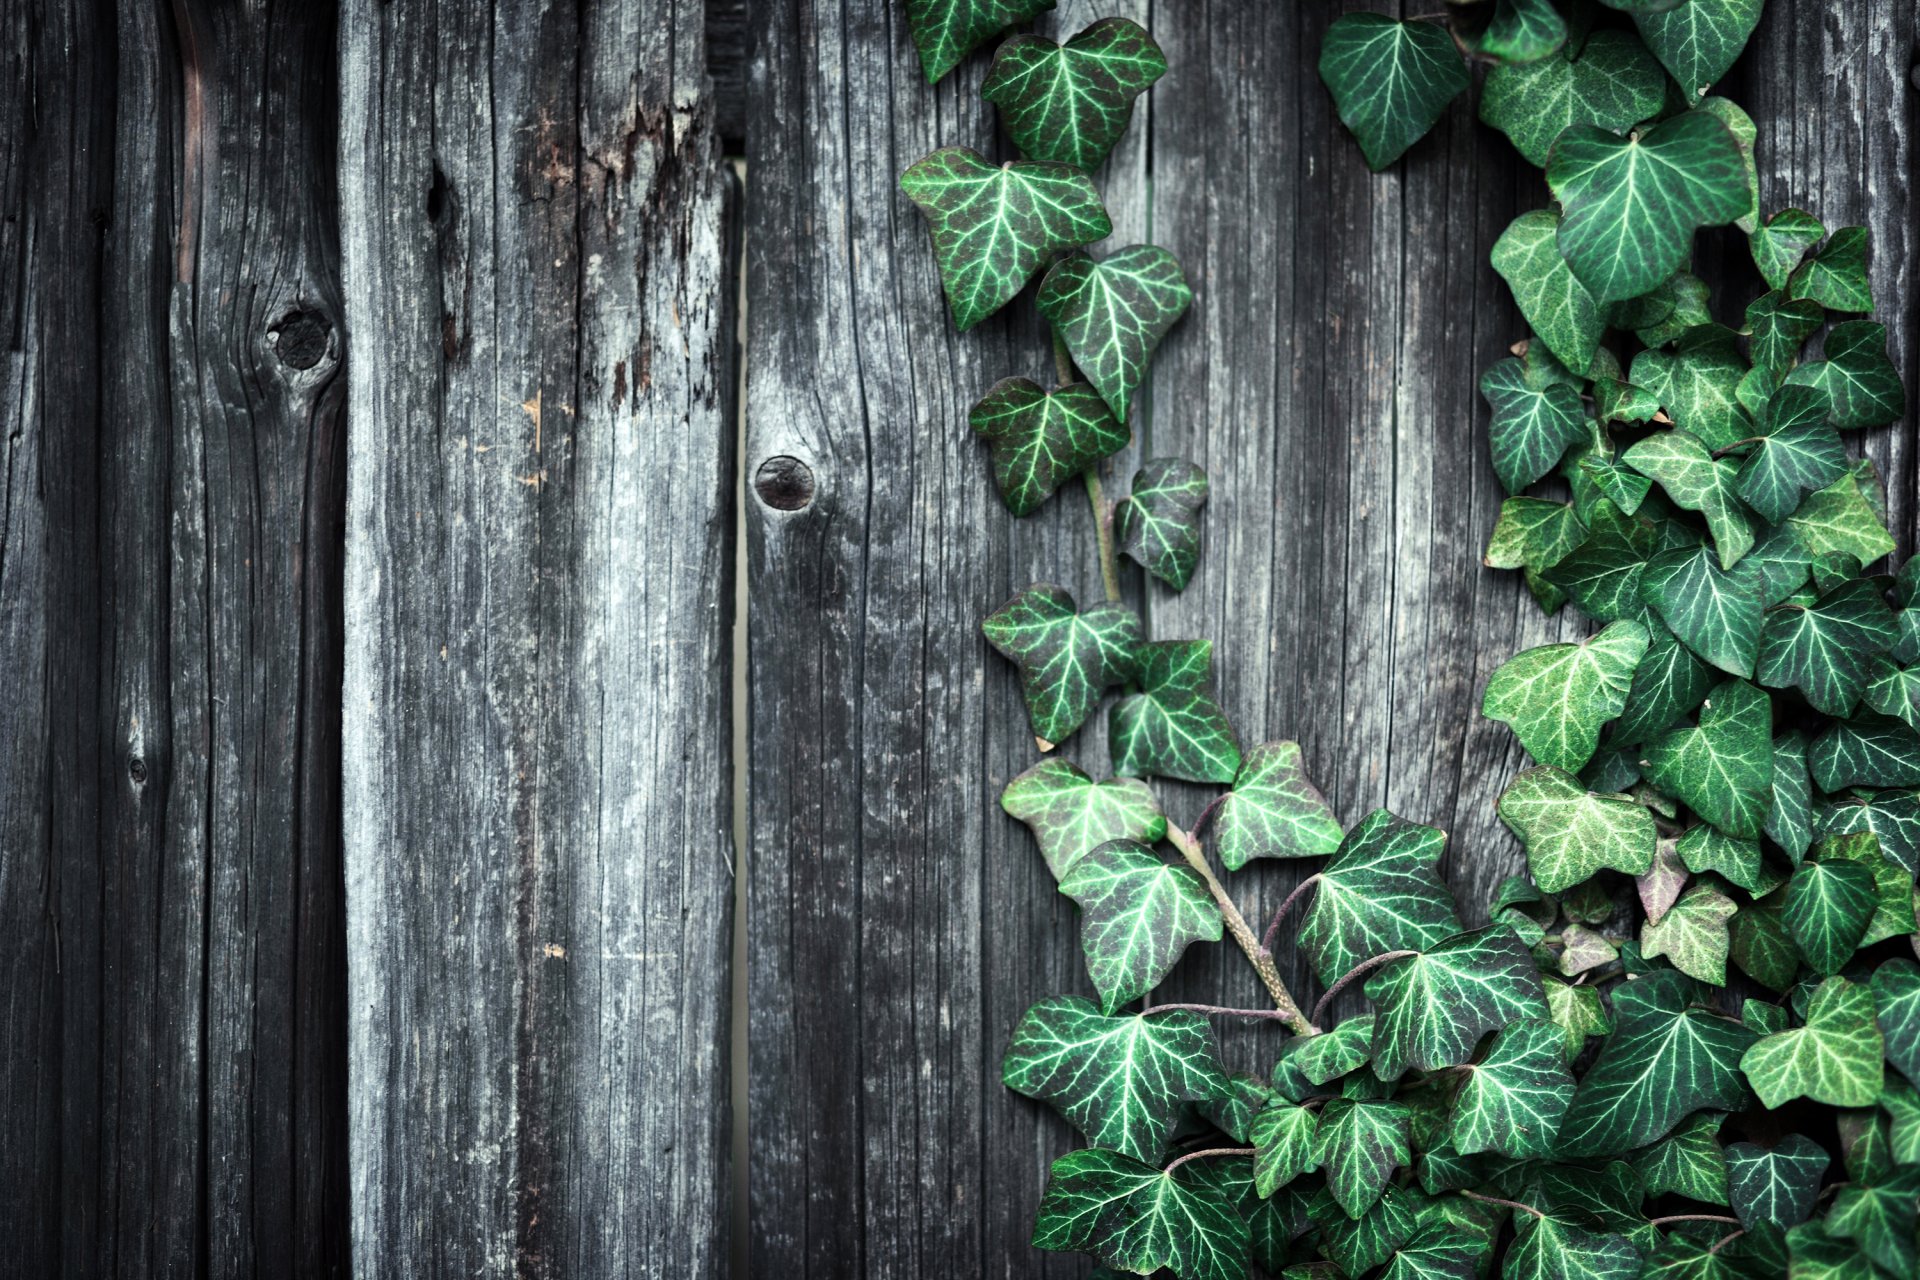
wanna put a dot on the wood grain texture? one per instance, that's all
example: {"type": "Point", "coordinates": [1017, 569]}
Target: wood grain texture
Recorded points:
{"type": "Point", "coordinates": [1327, 378]}
{"type": "Point", "coordinates": [173, 1070]}
{"type": "Point", "coordinates": [538, 602]}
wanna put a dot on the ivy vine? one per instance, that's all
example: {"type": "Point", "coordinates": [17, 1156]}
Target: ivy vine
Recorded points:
{"type": "Point", "coordinates": [1685, 1045]}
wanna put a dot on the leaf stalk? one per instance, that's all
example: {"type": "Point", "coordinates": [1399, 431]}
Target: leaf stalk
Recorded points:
{"type": "Point", "coordinates": [1283, 1001]}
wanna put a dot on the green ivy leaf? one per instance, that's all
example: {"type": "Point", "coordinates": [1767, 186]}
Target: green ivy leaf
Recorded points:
{"type": "Point", "coordinates": [1867, 751]}
{"type": "Point", "coordinates": [1578, 1013]}
{"type": "Point", "coordinates": [1762, 947]}
{"type": "Point", "coordinates": [1114, 312]}
{"type": "Point", "coordinates": [1069, 103]}
{"type": "Point", "coordinates": [1790, 825]}
{"type": "Point", "coordinates": [1332, 1054]}
{"type": "Point", "coordinates": [1570, 833]}
{"type": "Point", "coordinates": [1520, 31]}
{"type": "Point", "coordinates": [1360, 1144]}
{"type": "Point", "coordinates": [1722, 768]}
{"type": "Point", "coordinates": [1698, 383]}
{"type": "Point", "coordinates": [1823, 649]}
{"type": "Point", "coordinates": [1834, 1058]}
{"type": "Point", "coordinates": [1630, 206]}
{"type": "Point", "coordinates": [1880, 1217]}
{"type": "Point", "coordinates": [1777, 566]}
{"type": "Point", "coordinates": [1836, 276]}
{"type": "Point", "coordinates": [1358, 1244]}
{"type": "Point", "coordinates": [995, 225]}
{"type": "Point", "coordinates": [1533, 533]}
{"type": "Point", "coordinates": [1173, 728]}
{"type": "Point", "coordinates": [1390, 81]}
{"type": "Point", "coordinates": [1666, 314]}
{"type": "Point", "coordinates": [1781, 242]}
{"type": "Point", "coordinates": [1556, 305]}
{"type": "Point", "coordinates": [1615, 399]}
{"type": "Point", "coordinates": [1689, 1163]}
{"type": "Point", "coordinates": [1892, 816]}
{"type": "Point", "coordinates": [1862, 386]}
{"type": "Point", "coordinates": [1282, 1146]}
{"type": "Point", "coordinates": [1065, 657]}
{"type": "Point", "coordinates": [1380, 893]}
{"type": "Point", "coordinates": [1437, 1251]}
{"type": "Point", "coordinates": [1741, 126]}
{"type": "Point", "coordinates": [1274, 810]}
{"type": "Point", "coordinates": [1536, 417]}
{"type": "Point", "coordinates": [1693, 935]}
{"type": "Point", "coordinates": [1513, 1099]}
{"type": "Point", "coordinates": [945, 31]}
{"type": "Point", "coordinates": [1714, 613]}
{"type": "Point", "coordinates": [1777, 330]}
{"type": "Point", "coordinates": [1665, 1060]}
{"type": "Point", "coordinates": [1121, 1082]}
{"type": "Point", "coordinates": [1158, 524]}
{"type": "Point", "coordinates": [1233, 1110]}
{"type": "Point", "coordinates": [1708, 849]}
{"type": "Point", "coordinates": [1896, 996]}
{"type": "Point", "coordinates": [1135, 1217]}
{"type": "Point", "coordinates": [1697, 481]}
{"type": "Point", "coordinates": [1611, 82]}
{"type": "Point", "coordinates": [1138, 916]}
{"type": "Point", "coordinates": [1818, 1256]}
{"type": "Point", "coordinates": [1776, 1185]}
{"type": "Point", "coordinates": [1798, 451]}
{"type": "Point", "coordinates": [1434, 1006]}
{"type": "Point", "coordinates": [1549, 1247]}
{"type": "Point", "coordinates": [1700, 39]}
{"type": "Point", "coordinates": [1678, 1257]}
{"type": "Point", "coordinates": [1557, 696]}
{"type": "Point", "coordinates": [1893, 913]}
{"type": "Point", "coordinates": [1043, 439]}
{"type": "Point", "coordinates": [1070, 813]}
{"type": "Point", "coordinates": [1829, 905]}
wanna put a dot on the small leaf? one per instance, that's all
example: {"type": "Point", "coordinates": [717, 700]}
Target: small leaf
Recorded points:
{"type": "Point", "coordinates": [1790, 825]}
{"type": "Point", "coordinates": [1818, 1256]}
{"type": "Point", "coordinates": [1113, 314]}
{"type": "Point", "coordinates": [1693, 935]}
{"type": "Point", "coordinates": [1553, 1248]}
{"type": "Point", "coordinates": [1603, 574]}
{"type": "Point", "coordinates": [1535, 419]}
{"type": "Point", "coordinates": [1762, 947]}
{"type": "Point", "coordinates": [1533, 533]}
{"type": "Point", "coordinates": [1708, 849]}
{"type": "Point", "coordinates": [1660, 885]}
{"type": "Point", "coordinates": [1896, 996]}
{"type": "Point", "coordinates": [1138, 916]}
{"type": "Point", "coordinates": [1775, 1185]}
{"type": "Point", "coordinates": [1358, 1243]}
{"type": "Point", "coordinates": [1668, 684]}
{"type": "Point", "coordinates": [1893, 913]}
{"type": "Point", "coordinates": [1696, 481]}
{"type": "Point", "coordinates": [1700, 39]}
{"type": "Point", "coordinates": [1834, 1058]}
{"type": "Point", "coordinates": [1698, 383]}
{"type": "Point", "coordinates": [1380, 893]}
{"type": "Point", "coordinates": [1861, 384]}
{"type": "Point", "coordinates": [1513, 1098]}
{"type": "Point", "coordinates": [1274, 810]}
{"type": "Point", "coordinates": [945, 31]}
{"type": "Point", "coordinates": [1630, 206]}
{"type": "Point", "coordinates": [1435, 1005]}
{"type": "Point", "coordinates": [1880, 1218]}
{"type": "Point", "coordinates": [1158, 524]}
{"type": "Point", "coordinates": [1134, 1217]}
{"type": "Point", "coordinates": [1836, 276]}
{"type": "Point", "coordinates": [1722, 769]}
{"type": "Point", "coordinates": [1867, 751]}
{"type": "Point", "coordinates": [1069, 103]}
{"type": "Point", "coordinates": [1829, 905]}
{"type": "Point", "coordinates": [1892, 816]}
{"type": "Point", "coordinates": [1714, 613]}
{"type": "Point", "coordinates": [1613, 83]}
{"type": "Point", "coordinates": [1781, 242]}
{"type": "Point", "coordinates": [1043, 439]}
{"type": "Point", "coordinates": [1741, 126]}
{"type": "Point", "coordinates": [1437, 1251]}
{"type": "Point", "coordinates": [1570, 833]}
{"type": "Point", "coordinates": [995, 225]}
{"type": "Point", "coordinates": [1390, 80]}
{"type": "Point", "coordinates": [1173, 728]}
{"type": "Point", "coordinates": [1518, 31]}
{"type": "Point", "coordinates": [1283, 1146]}
{"type": "Point", "coordinates": [1823, 649]}
{"type": "Point", "coordinates": [1578, 1013]}
{"type": "Point", "coordinates": [1065, 657]}
{"type": "Point", "coordinates": [1556, 305]}
{"type": "Point", "coordinates": [1122, 1082]}
{"type": "Point", "coordinates": [1557, 696]}
{"type": "Point", "coordinates": [1070, 813]}
{"type": "Point", "coordinates": [1777, 330]}
{"type": "Point", "coordinates": [1360, 1144]}
{"type": "Point", "coordinates": [1688, 1163]}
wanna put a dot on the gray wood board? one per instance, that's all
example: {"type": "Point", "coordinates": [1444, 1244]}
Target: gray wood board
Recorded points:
{"type": "Point", "coordinates": [900, 923]}
{"type": "Point", "coordinates": [538, 605]}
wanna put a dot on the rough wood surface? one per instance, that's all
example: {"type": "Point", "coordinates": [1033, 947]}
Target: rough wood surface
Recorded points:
{"type": "Point", "coordinates": [1327, 378]}
{"type": "Point", "coordinates": [172, 1056]}
{"type": "Point", "coordinates": [538, 602]}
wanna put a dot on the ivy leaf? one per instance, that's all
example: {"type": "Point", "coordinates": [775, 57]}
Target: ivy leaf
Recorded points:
{"type": "Point", "coordinates": [1893, 913]}
{"type": "Point", "coordinates": [1173, 728]}
{"type": "Point", "coordinates": [1070, 814]}
{"type": "Point", "coordinates": [1158, 524]}
{"type": "Point", "coordinates": [1834, 1058]}
{"type": "Point", "coordinates": [1823, 649]}
{"type": "Point", "coordinates": [1520, 31]}
{"type": "Point", "coordinates": [1666, 314]}
{"type": "Point", "coordinates": [1139, 915]}
{"type": "Point", "coordinates": [1549, 1247]}
{"type": "Point", "coordinates": [1892, 816]}
{"type": "Point", "coordinates": [1741, 126]}
{"type": "Point", "coordinates": [1775, 1185]}
{"type": "Point", "coordinates": [1557, 696]}
{"type": "Point", "coordinates": [995, 225]}
{"type": "Point", "coordinates": [1867, 751]}
{"type": "Point", "coordinates": [1714, 613]}
{"type": "Point", "coordinates": [1357, 1244]}
{"type": "Point", "coordinates": [1380, 893]}
{"type": "Point", "coordinates": [1894, 690]}
{"type": "Point", "coordinates": [1665, 1060]}
{"type": "Point", "coordinates": [1630, 206]}
{"type": "Point", "coordinates": [1513, 1098]}
{"type": "Point", "coordinates": [1232, 1110]}
{"type": "Point", "coordinates": [1880, 1217]}
{"type": "Point", "coordinates": [1700, 39]}
{"type": "Point", "coordinates": [1533, 533]}
{"type": "Point", "coordinates": [1334, 1053]}
{"type": "Point", "coordinates": [1390, 80]}
{"type": "Point", "coordinates": [945, 31]}
{"type": "Point", "coordinates": [1818, 1256]}
{"type": "Point", "coordinates": [1570, 833]}
{"type": "Point", "coordinates": [1360, 1144]}
{"type": "Point", "coordinates": [1862, 386]}
{"type": "Point", "coordinates": [1617, 400]}
{"type": "Point", "coordinates": [1762, 947]}
{"type": "Point", "coordinates": [1668, 683]}
{"type": "Point", "coordinates": [1688, 1163]}
{"type": "Point", "coordinates": [1578, 1013]}
{"type": "Point", "coordinates": [1069, 103]}
{"type": "Point", "coordinates": [1556, 305]}
{"type": "Point", "coordinates": [1777, 329]}
{"type": "Point", "coordinates": [1274, 810]}
{"type": "Point", "coordinates": [1697, 481]}
{"type": "Point", "coordinates": [1065, 657]}
{"type": "Point", "coordinates": [1836, 276]}
{"type": "Point", "coordinates": [1122, 1082]}
{"type": "Point", "coordinates": [1134, 1217]}
{"type": "Point", "coordinates": [1698, 383]}
{"type": "Point", "coordinates": [1693, 935]}
{"type": "Point", "coordinates": [1602, 575]}
{"type": "Point", "coordinates": [1678, 1257]}
{"type": "Point", "coordinates": [1437, 1251]}
{"type": "Point", "coordinates": [1114, 312]}
{"type": "Point", "coordinates": [1434, 1006]}
{"type": "Point", "coordinates": [1707, 848]}
{"type": "Point", "coordinates": [1777, 566]}
{"type": "Point", "coordinates": [1536, 417]}
{"type": "Point", "coordinates": [1798, 451]}
{"type": "Point", "coordinates": [1829, 905]}
{"type": "Point", "coordinates": [1042, 439]}
{"type": "Point", "coordinates": [1781, 242]}
{"type": "Point", "coordinates": [1722, 768]}
{"type": "Point", "coordinates": [1896, 995]}
{"type": "Point", "coordinates": [1282, 1146]}
{"type": "Point", "coordinates": [1612, 82]}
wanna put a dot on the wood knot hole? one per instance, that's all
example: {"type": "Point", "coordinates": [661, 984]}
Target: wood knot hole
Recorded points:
{"type": "Point", "coordinates": [300, 339]}
{"type": "Point", "coordinates": [784, 483]}
{"type": "Point", "coordinates": [137, 771]}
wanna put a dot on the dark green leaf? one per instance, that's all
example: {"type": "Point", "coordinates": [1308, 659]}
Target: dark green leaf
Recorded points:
{"type": "Point", "coordinates": [1714, 613]}
{"type": "Point", "coordinates": [1777, 329]}
{"type": "Point", "coordinates": [1536, 418]}
{"type": "Point", "coordinates": [1688, 1163]}
{"type": "Point", "coordinates": [1437, 1251]}
{"type": "Point", "coordinates": [1556, 305]}
{"type": "Point", "coordinates": [1158, 524]}
{"type": "Point", "coordinates": [1520, 31]}
{"type": "Point", "coordinates": [1550, 1247]}
{"type": "Point", "coordinates": [1709, 849]}
{"type": "Point", "coordinates": [1557, 696]}
{"type": "Point", "coordinates": [1700, 39]}
{"type": "Point", "coordinates": [1578, 1013]}
{"type": "Point", "coordinates": [1780, 243]}
{"type": "Point", "coordinates": [1065, 657]}
{"type": "Point", "coordinates": [1861, 383]}
{"type": "Point", "coordinates": [1797, 452]}
{"type": "Point", "coordinates": [1070, 813]}
{"type": "Point", "coordinates": [1380, 893]}
{"type": "Point", "coordinates": [1114, 312]}
{"type": "Point", "coordinates": [1867, 751]}
{"type": "Point", "coordinates": [1834, 1058]}
{"type": "Point", "coordinates": [1283, 1144]}
{"type": "Point", "coordinates": [1892, 816]}
{"type": "Point", "coordinates": [1533, 533]}
{"type": "Point", "coordinates": [945, 31]}
{"type": "Point", "coordinates": [1070, 102]}
{"type": "Point", "coordinates": [1136, 1218]}
{"type": "Point", "coordinates": [1896, 995]}
{"type": "Point", "coordinates": [1435, 1005]}
{"type": "Point", "coordinates": [1696, 481]}
{"type": "Point", "coordinates": [1138, 916]}
{"type": "Point", "coordinates": [1880, 1218]}
{"type": "Point", "coordinates": [1602, 575]}
{"type": "Point", "coordinates": [1818, 1256]}
{"type": "Point", "coordinates": [1762, 947]}
{"type": "Point", "coordinates": [1390, 80]}
{"type": "Point", "coordinates": [1693, 935]}
{"type": "Point", "coordinates": [1722, 768]}
{"type": "Point", "coordinates": [1513, 1099]}
{"type": "Point", "coordinates": [1173, 728]}
{"type": "Point", "coordinates": [1668, 683]}
{"type": "Point", "coordinates": [1360, 1144]}
{"type": "Point", "coordinates": [1776, 1185]}
{"type": "Point", "coordinates": [1041, 440]}
{"type": "Point", "coordinates": [1357, 1243]}
{"type": "Point", "coordinates": [1829, 905]}
{"type": "Point", "coordinates": [1741, 126]}
{"type": "Point", "coordinates": [1613, 83]}
{"type": "Point", "coordinates": [1332, 1054]}
{"type": "Point", "coordinates": [1823, 649]}
{"type": "Point", "coordinates": [1836, 276]}
{"type": "Point", "coordinates": [1571, 833]}
{"type": "Point", "coordinates": [1698, 383]}
{"type": "Point", "coordinates": [1274, 810]}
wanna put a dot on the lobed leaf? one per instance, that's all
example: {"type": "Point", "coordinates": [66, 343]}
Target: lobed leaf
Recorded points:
{"type": "Point", "coordinates": [1069, 103]}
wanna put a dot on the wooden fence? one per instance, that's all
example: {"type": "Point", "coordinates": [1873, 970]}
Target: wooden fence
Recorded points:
{"type": "Point", "coordinates": [368, 496]}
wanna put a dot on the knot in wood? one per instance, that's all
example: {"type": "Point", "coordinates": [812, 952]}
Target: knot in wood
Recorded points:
{"type": "Point", "coordinates": [137, 771]}
{"type": "Point", "coordinates": [784, 483]}
{"type": "Point", "coordinates": [300, 339]}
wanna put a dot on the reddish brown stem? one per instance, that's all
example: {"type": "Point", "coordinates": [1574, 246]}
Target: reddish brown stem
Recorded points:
{"type": "Point", "coordinates": [1363, 967]}
{"type": "Point", "coordinates": [1273, 927]}
{"type": "Point", "coordinates": [1210, 1151]}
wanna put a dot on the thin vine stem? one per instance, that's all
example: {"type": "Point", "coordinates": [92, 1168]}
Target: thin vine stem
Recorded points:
{"type": "Point", "coordinates": [1371, 963]}
{"type": "Point", "coordinates": [1103, 532]}
{"type": "Point", "coordinates": [1274, 927]}
{"type": "Point", "coordinates": [1724, 1241]}
{"type": "Point", "coordinates": [1692, 1217]}
{"type": "Point", "coordinates": [1210, 1151]}
{"type": "Point", "coordinates": [1262, 958]}
{"type": "Point", "coordinates": [1508, 1204]}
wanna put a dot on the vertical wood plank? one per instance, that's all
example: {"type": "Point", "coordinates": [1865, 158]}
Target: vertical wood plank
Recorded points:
{"type": "Point", "coordinates": [538, 605]}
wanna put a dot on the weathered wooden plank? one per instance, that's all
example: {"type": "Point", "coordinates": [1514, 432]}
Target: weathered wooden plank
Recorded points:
{"type": "Point", "coordinates": [538, 602]}
{"type": "Point", "coordinates": [174, 1062]}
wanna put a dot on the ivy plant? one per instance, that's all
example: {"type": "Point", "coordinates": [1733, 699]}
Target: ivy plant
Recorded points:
{"type": "Point", "coordinates": [1684, 1043]}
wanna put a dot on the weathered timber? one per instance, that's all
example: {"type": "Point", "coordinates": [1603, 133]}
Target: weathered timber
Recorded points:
{"type": "Point", "coordinates": [172, 1057]}
{"type": "Point", "coordinates": [538, 603]}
